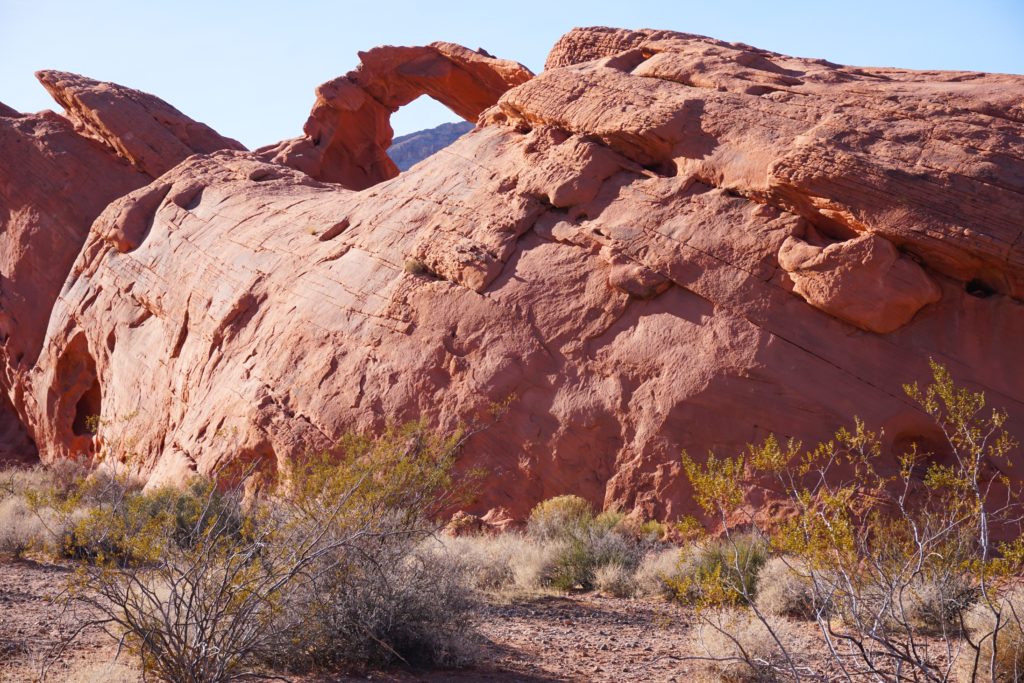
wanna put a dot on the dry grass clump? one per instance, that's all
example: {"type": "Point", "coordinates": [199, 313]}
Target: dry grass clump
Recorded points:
{"type": "Point", "coordinates": [534, 567]}
{"type": "Point", "coordinates": [108, 672]}
{"type": "Point", "coordinates": [616, 580]}
{"type": "Point", "coordinates": [20, 529]}
{"type": "Point", "coordinates": [503, 563]}
{"type": "Point", "coordinates": [783, 590]}
{"type": "Point", "coordinates": [37, 668]}
{"type": "Point", "coordinates": [934, 604]}
{"type": "Point", "coordinates": [999, 630]}
{"type": "Point", "coordinates": [558, 517]}
{"type": "Point", "coordinates": [565, 548]}
{"type": "Point", "coordinates": [739, 648]}
{"type": "Point", "coordinates": [17, 480]}
{"type": "Point", "coordinates": [658, 572]}
{"type": "Point", "coordinates": [25, 528]}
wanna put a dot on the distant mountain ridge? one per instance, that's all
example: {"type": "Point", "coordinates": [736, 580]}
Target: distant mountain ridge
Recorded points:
{"type": "Point", "coordinates": [408, 150]}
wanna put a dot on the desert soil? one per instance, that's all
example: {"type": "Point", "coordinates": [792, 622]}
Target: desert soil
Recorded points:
{"type": "Point", "coordinates": [532, 640]}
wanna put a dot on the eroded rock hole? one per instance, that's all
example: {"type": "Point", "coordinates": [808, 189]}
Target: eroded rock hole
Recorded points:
{"type": "Point", "coordinates": [408, 150]}
{"type": "Point", "coordinates": [664, 169]}
{"type": "Point", "coordinates": [978, 288]}
{"type": "Point", "coordinates": [80, 401]}
{"type": "Point", "coordinates": [87, 411]}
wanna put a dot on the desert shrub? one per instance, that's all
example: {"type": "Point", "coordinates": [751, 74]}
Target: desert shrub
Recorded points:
{"type": "Point", "coordinates": [722, 571]}
{"type": "Point", "coordinates": [610, 519]}
{"type": "Point", "coordinates": [578, 557]}
{"type": "Point", "coordinates": [785, 589]}
{"type": "Point", "coordinates": [205, 589]}
{"type": "Point", "coordinates": [110, 519]}
{"type": "Point", "coordinates": [396, 603]}
{"type": "Point", "coordinates": [573, 566]}
{"type": "Point", "coordinates": [900, 545]}
{"type": "Point", "coordinates": [577, 544]}
{"type": "Point", "coordinates": [652, 530]}
{"type": "Point", "coordinates": [615, 579]}
{"type": "Point", "coordinates": [560, 517]}
{"type": "Point", "coordinates": [20, 528]}
{"type": "Point", "coordinates": [997, 630]}
{"type": "Point", "coordinates": [734, 646]}
{"type": "Point", "coordinates": [659, 572]}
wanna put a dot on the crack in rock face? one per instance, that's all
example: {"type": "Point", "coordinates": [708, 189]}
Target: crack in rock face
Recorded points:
{"type": "Point", "coordinates": [662, 242]}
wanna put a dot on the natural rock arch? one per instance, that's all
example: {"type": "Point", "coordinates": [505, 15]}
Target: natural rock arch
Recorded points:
{"type": "Point", "coordinates": [348, 132]}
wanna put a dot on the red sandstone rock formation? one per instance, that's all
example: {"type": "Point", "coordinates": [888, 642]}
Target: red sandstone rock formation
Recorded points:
{"type": "Point", "coordinates": [145, 130]}
{"type": "Point", "coordinates": [57, 175]}
{"type": "Point", "coordinates": [661, 242]}
{"type": "Point", "coordinates": [349, 131]}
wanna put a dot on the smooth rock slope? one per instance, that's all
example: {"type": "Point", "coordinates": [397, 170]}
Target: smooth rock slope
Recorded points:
{"type": "Point", "coordinates": [662, 242]}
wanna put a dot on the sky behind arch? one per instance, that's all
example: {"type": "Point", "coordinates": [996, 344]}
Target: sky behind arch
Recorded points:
{"type": "Point", "coordinates": [249, 68]}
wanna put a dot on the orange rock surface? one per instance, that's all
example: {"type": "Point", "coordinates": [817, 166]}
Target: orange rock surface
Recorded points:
{"type": "Point", "coordinates": [662, 242]}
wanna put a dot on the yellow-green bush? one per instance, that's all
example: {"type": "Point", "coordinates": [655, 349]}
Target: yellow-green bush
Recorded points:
{"type": "Point", "coordinates": [721, 572]}
{"type": "Point", "coordinates": [897, 544]}
{"type": "Point", "coordinates": [328, 568]}
{"type": "Point", "coordinates": [560, 517]}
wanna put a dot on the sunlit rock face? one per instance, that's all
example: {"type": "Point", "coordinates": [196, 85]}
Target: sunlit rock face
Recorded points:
{"type": "Point", "coordinates": [662, 242]}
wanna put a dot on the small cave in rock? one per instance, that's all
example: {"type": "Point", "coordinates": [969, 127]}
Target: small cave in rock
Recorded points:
{"type": "Point", "coordinates": [87, 410]}
{"type": "Point", "coordinates": [978, 288]}
{"type": "Point", "coordinates": [664, 169]}
{"type": "Point", "coordinates": [81, 396]}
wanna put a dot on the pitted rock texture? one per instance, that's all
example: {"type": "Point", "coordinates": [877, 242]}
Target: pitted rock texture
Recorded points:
{"type": "Point", "coordinates": [655, 245]}
{"type": "Point", "coordinates": [348, 133]}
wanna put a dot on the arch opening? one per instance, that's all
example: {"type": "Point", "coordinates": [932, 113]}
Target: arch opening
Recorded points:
{"type": "Point", "coordinates": [433, 127]}
{"type": "Point", "coordinates": [348, 133]}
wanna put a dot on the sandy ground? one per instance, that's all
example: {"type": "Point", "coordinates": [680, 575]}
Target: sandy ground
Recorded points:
{"type": "Point", "coordinates": [546, 638]}
{"type": "Point", "coordinates": [532, 640]}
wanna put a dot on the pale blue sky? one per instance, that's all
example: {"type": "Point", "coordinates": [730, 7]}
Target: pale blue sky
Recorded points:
{"type": "Point", "coordinates": [249, 68]}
